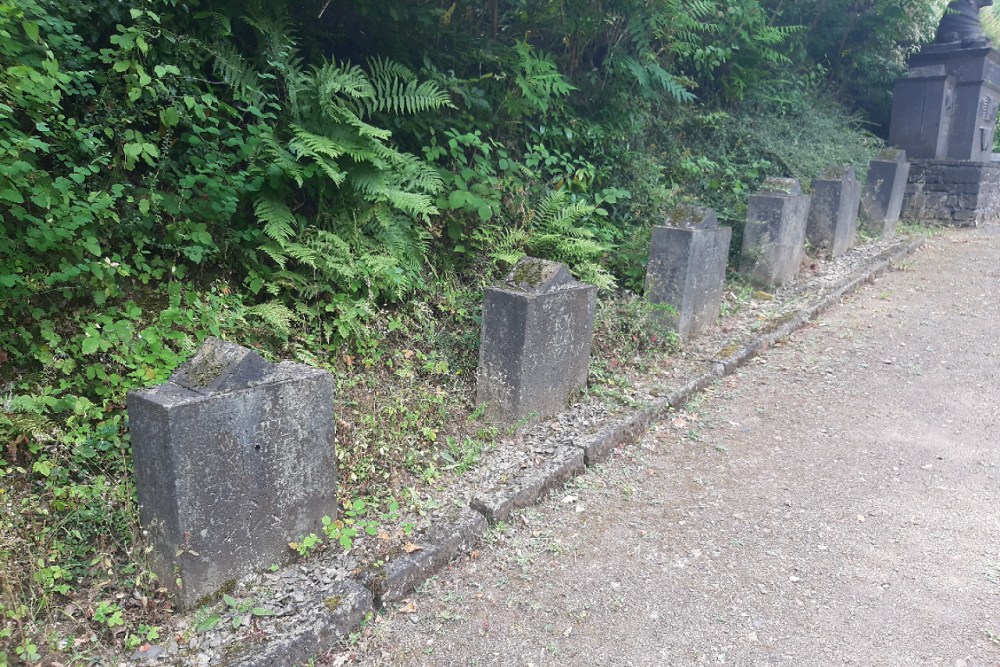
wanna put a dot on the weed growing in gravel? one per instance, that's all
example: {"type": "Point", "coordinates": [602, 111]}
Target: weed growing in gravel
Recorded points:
{"type": "Point", "coordinates": [737, 295]}
{"type": "Point", "coordinates": [629, 335]}
{"type": "Point", "coordinates": [356, 519]}
{"type": "Point", "coordinates": [918, 229]}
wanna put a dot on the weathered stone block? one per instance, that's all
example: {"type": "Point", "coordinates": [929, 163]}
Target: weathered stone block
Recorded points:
{"type": "Point", "coordinates": [921, 115]}
{"type": "Point", "coordinates": [234, 457]}
{"type": "Point", "coordinates": [687, 270]}
{"type": "Point", "coordinates": [534, 351]}
{"type": "Point", "coordinates": [774, 235]}
{"type": "Point", "coordinates": [833, 213]}
{"type": "Point", "coordinates": [882, 197]}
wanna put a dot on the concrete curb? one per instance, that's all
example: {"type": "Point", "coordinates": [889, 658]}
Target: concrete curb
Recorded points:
{"type": "Point", "coordinates": [321, 621]}
{"type": "Point", "coordinates": [320, 625]}
{"type": "Point", "coordinates": [436, 546]}
{"type": "Point", "coordinates": [531, 486]}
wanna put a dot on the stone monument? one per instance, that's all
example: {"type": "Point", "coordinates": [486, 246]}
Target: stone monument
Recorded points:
{"type": "Point", "coordinates": [234, 457]}
{"type": "Point", "coordinates": [944, 115]}
{"type": "Point", "coordinates": [833, 214]}
{"type": "Point", "coordinates": [687, 269]}
{"type": "Point", "coordinates": [775, 233]}
{"type": "Point", "coordinates": [534, 352]}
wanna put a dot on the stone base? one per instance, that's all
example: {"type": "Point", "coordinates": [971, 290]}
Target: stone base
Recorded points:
{"type": "Point", "coordinates": [952, 192]}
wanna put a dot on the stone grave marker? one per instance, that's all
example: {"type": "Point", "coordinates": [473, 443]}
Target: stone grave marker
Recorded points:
{"type": "Point", "coordinates": [775, 233]}
{"type": "Point", "coordinates": [833, 213]}
{"type": "Point", "coordinates": [687, 269]}
{"type": "Point", "coordinates": [882, 198]}
{"type": "Point", "coordinates": [234, 457]}
{"type": "Point", "coordinates": [534, 352]}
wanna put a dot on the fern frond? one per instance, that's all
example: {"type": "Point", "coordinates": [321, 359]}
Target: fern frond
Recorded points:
{"type": "Point", "coordinates": [279, 221]}
{"type": "Point", "coordinates": [400, 97]}
{"type": "Point", "coordinates": [276, 253]}
{"type": "Point", "coordinates": [384, 69]}
{"type": "Point", "coordinates": [647, 74]}
{"type": "Point", "coordinates": [334, 79]}
{"type": "Point", "coordinates": [313, 145]}
{"type": "Point", "coordinates": [281, 157]}
{"type": "Point", "coordinates": [323, 151]}
{"type": "Point", "coordinates": [30, 424]}
{"type": "Point", "coordinates": [237, 73]}
{"type": "Point", "coordinates": [274, 314]}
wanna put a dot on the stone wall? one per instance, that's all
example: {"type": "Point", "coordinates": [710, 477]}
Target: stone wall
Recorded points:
{"type": "Point", "coordinates": [952, 192]}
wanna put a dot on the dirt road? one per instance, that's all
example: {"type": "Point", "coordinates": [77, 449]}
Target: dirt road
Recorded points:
{"type": "Point", "coordinates": [836, 502]}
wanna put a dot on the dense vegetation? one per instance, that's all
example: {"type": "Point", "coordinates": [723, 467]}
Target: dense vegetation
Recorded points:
{"type": "Point", "coordinates": [334, 181]}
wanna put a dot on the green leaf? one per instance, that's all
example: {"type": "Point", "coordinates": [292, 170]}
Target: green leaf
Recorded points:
{"type": "Point", "coordinates": [31, 30]}
{"type": "Point", "coordinates": [261, 611]}
{"type": "Point", "coordinates": [229, 600]}
{"type": "Point", "coordinates": [170, 117]}
{"type": "Point", "coordinates": [90, 344]}
{"type": "Point", "coordinates": [208, 623]}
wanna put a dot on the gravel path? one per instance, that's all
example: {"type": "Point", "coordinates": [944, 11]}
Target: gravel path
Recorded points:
{"type": "Point", "coordinates": [836, 502]}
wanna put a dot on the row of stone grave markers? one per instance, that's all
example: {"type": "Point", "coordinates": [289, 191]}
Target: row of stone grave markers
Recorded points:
{"type": "Point", "coordinates": [234, 456]}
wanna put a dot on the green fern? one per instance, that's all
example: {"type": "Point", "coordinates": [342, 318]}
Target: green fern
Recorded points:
{"type": "Point", "coordinates": [557, 229]}
{"type": "Point", "coordinates": [397, 91]}
{"type": "Point", "coordinates": [275, 315]}
{"type": "Point", "coordinates": [538, 79]}
{"type": "Point", "coordinates": [279, 221]}
{"type": "Point", "coordinates": [344, 212]}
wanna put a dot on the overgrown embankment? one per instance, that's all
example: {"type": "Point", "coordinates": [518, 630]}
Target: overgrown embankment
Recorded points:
{"type": "Point", "coordinates": [335, 182]}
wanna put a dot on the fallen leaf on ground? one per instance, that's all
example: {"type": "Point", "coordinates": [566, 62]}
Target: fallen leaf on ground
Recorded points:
{"type": "Point", "coordinates": [409, 608]}
{"type": "Point", "coordinates": [410, 547]}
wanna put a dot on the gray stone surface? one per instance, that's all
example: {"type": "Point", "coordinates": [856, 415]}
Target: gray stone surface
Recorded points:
{"type": "Point", "coordinates": [955, 193]}
{"type": "Point", "coordinates": [227, 476]}
{"type": "Point", "coordinates": [526, 489]}
{"type": "Point", "coordinates": [449, 535]}
{"type": "Point", "coordinates": [882, 197]}
{"type": "Point", "coordinates": [534, 351]}
{"type": "Point", "coordinates": [687, 270]}
{"type": "Point", "coordinates": [599, 446]}
{"type": "Point", "coordinates": [323, 619]}
{"type": "Point", "coordinates": [921, 115]}
{"type": "Point", "coordinates": [946, 108]}
{"type": "Point", "coordinates": [833, 213]}
{"type": "Point", "coordinates": [774, 235]}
